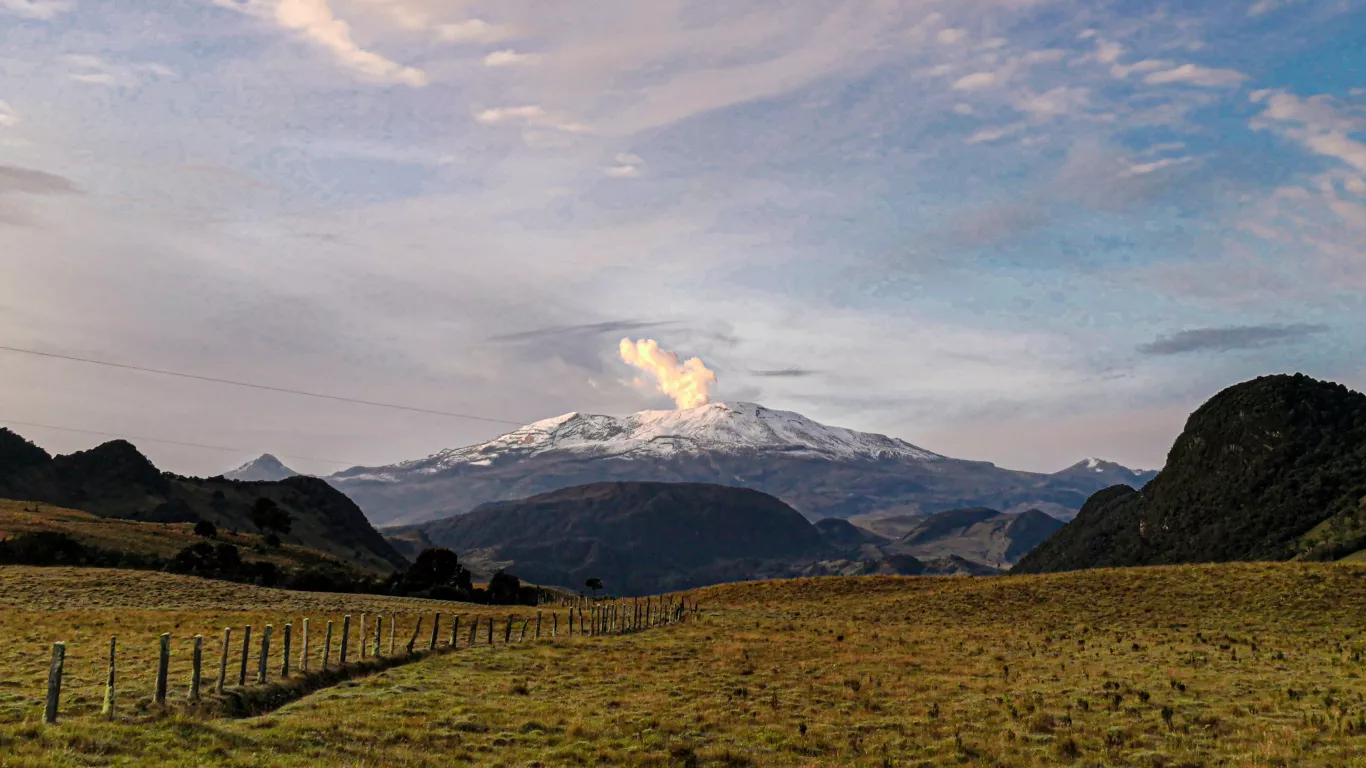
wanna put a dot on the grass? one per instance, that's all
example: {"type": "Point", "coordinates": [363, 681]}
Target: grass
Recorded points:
{"type": "Point", "coordinates": [1233, 665]}
{"type": "Point", "coordinates": [162, 540]}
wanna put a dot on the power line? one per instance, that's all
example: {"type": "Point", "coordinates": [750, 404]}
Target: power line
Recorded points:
{"type": "Point", "coordinates": [249, 385]}
{"type": "Point", "coordinates": [171, 442]}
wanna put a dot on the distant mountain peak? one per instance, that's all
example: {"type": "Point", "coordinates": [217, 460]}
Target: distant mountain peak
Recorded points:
{"type": "Point", "coordinates": [728, 428]}
{"type": "Point", "coordinates": [263, 468]}
{"type": "Point", "coordinates": [1101, 466]}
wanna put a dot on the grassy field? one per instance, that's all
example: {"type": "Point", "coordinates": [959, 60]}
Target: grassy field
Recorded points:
{"type": "Point", "coordinates": [1239, 665]}
{"type": "Point", "coordinates": [162, 540]}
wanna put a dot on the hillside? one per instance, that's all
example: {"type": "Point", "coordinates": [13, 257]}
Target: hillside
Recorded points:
{"type": "Point", "coordinates": [1216, 665]}
{"type": "Point", "coordinates": [150, 541]}
{"type": "Point", "coordinates": [115, 480]}
{"type": "Point", "coordinates": [1271, 469]}
{"type": "Point", "coordinates": [978, 535]}
{"type": "Point", "coordinates": [637, 537]}
{"type": "Point", "coordinates": [819, 470]}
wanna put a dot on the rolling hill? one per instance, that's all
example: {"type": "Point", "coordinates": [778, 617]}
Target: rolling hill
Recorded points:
{"type": "Point", "coordinates": [978, 535]}
{"type": "Point", "coordinates": [1270, 469]}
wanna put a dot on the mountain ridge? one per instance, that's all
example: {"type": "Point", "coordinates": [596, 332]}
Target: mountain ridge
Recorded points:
{"type": "Point", "coordinates": [820, 470]}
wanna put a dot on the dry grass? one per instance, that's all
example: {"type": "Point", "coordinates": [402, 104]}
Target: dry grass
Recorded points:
{"type": "Point", "coordinates": [1241, 665]}
{"type": "Point", "coordinates": [159, 539]}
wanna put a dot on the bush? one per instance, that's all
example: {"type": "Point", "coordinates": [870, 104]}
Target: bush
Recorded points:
{"type": "Point", "coordinates": [206, 529]}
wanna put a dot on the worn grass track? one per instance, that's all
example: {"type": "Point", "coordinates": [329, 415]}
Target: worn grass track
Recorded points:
{"type": "Point", "coordinates": [1238, 665]}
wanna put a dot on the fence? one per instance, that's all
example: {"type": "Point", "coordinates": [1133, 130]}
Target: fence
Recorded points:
{"type": "Point", "coordinates": [252, 668]}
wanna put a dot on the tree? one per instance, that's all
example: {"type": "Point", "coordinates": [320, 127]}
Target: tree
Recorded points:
{"type": "Point", "coordinates": [206, 529]}
{"type": "Point", "coordinates": [594, 584]}
{"type": "Point", "coordinates": [435, 567]}
{"type": "Point", "coordinates": [504, 589]}
{"type": "Point", "coordinates": [267, 515]}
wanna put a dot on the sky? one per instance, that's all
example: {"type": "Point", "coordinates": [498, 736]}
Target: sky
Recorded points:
{"type": "Point", "coordinates": [1021, 231]}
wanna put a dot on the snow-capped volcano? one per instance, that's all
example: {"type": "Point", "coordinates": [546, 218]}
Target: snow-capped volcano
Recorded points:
{"type": "Point", "coordinates": [819, 470]}
{"type": "Point", "coordinates": [263, 468]}
{"type": "Point", "coordinates": [729, 428]}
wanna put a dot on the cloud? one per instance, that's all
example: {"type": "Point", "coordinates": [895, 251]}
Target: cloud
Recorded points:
{"type": "Point", "coordinates": [612, 327]}
{"type": "Point", "coordinates": [35, 9]}
{"type": "Point", "coordinates": [1191, 74]}
{"type": "Point", "coordinates": [530, 115]}
{"type": "Point", "coordinates": [474, 31]}
{"type": "Point", "coordinates": [7, 115]}
{"type": "Point", "coordinates": [786, 373]}
{"type": "Point", "coordinates": [1057, 102]}
{"type": "Point", "coordinates": [27, 181]}
{"type": "Point", "coordinates": [1262, 7]}
{"type": "Point", "coordinates": [978, 81]}
{"type": "Point", "coordinates": [688, 382]}
{"type": "Point", "coordinates": [950, 36]}
{"type": "Point", "coordinates": [1230, 338]}
{"type": "Point", "coordinates": [987, 135]}
{"type": "Point", "coordinates": [93, 70]}
{"type": "Point", "coordinates": [627, 167]}
{"type": "Point", "coordinates": [1317, 123]}
{"type": "Point", "coordinates": [316, 22]}
{"type": "Point", "coordinates": [510, 58]}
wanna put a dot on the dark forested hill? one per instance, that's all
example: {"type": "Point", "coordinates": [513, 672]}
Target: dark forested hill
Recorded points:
{"type": "Point", "coordinates": [115, 480]}
{"type": "Point", "coordinates": [1271, 469]}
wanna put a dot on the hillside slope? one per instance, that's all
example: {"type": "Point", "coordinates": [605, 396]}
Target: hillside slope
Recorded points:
{"type": "Point", "coordinates": [115, 480]}
{"type": "Point", "coordinates": [978, 535]}
{"type": "Point", "coordinates": [1271, 469]}
{"type": "Point", "coordinates": [637, 537]}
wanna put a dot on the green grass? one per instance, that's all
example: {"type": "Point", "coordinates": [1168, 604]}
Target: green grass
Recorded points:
{"type": "Point", "coordinates": [1233, 665]}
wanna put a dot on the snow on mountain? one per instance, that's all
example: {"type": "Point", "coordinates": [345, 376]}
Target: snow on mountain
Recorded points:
{"type": "Point", "coordinates": [718, 428]}
{"type": "Point", "coordinates": [1102, 466]}
{"type": "Point", "coordinates": [262, 468]}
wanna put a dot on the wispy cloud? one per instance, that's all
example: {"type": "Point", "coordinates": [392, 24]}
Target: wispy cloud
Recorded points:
{"type": "Point", "coordinates": [510, 58]}
{"type": "Point", "coordinates": [1191, 74]}
{"type": "Point", "coordinates": [530, 115]}
{"type": "Point", "coordinates": [94, 70]}
{"type": "Point", "coordinates": [35, 9]}
{"type": "Point", "coordinates": [315, 21]}
{"type": "Point", "coordinates": [475, 31]}
{"type": "Point", "coordinates": [786, 373]}
{"type": "Point", "coordinates": [1319, 123]}
{"type": "Point", "coordinates": [29, 181]}
{"type": "Point", "coordinates": [1230, 338]}
{"type": "Point", "coordinates": [8, 116]}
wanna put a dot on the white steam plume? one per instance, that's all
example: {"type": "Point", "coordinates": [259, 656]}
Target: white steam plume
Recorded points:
{"type": "Point", "coordinates": [689, 382]}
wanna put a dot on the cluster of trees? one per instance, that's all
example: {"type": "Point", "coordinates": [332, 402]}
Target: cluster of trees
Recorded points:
{"type": "Point", "coordinates": [437, 573]}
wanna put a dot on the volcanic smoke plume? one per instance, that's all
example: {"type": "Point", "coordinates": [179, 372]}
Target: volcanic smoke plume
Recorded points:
{"type": "Point", "coordinates": [689, 383]}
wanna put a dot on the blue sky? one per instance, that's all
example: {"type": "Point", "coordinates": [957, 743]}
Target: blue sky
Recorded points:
{"type": "Point", "coordinates": [1026, 231]}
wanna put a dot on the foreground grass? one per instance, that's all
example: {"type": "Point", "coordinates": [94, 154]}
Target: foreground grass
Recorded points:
{"type": "Point", "coordinates": [84, 607]}
{"type": "Point", "coordinates": [1241, 665]}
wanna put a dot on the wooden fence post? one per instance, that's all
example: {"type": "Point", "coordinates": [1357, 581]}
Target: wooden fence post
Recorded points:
{"type": "Point", "coordinates": [436, 627]}
{"type": "Point", "coordinates": [54, 682]}
{"type": "Point", "coordinates": [455, 629]}
{"type": "Point", "coordinates": [246, 651]}
{"type": "Point", "coordinates": [303, 650]}
{"type": "Point", "coordinates": [379, 635]}
{"type": "Point", "coordinates": [522, 635]}
{"type": "Point", "coordinates": [507, 633]}
{"type": "Point", "coordinates": [108, 709]}
{"type": "Point", "coordinates": [571, 622]}
{"type": "Point", "coordinates": [474, 630]}
{"type": "Point", "coordinates": [163, 665]}
{"type": "Point", "coordinates": [285, 649]}
{"type": "Point", "coordinates": [363, 638]}
{"type": "Point", "coordinates": [223, 662]}
{"type": "Point", "coordinates": [538, 625]}
{"type": "Point", "coordinates": [265, 654]}
{"type": "Point", "coordinates": [490, 630]}
{"type": "Point", "coordinates": [554, 624]}
{"type": "Point", "coordinates": [393, 630]}
{"type": "Point", "coordinates": [346, 638]}
{"type": "Point", "coordinates": [327, 645]}
{"type": "Point", "coordinates": [413, 640]}
{"type": "Point", "coordinates": [196, 667]}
